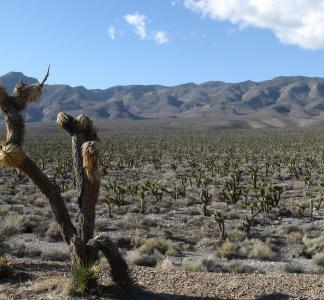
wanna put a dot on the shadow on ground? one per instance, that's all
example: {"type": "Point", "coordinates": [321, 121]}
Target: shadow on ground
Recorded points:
{"type": "Point", "coordinates": [17, 277]}
{"type": "Point", "coordinates": [274, 296]}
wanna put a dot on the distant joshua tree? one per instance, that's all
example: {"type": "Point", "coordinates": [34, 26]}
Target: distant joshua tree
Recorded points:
{"type": "Point", "coordinates": [85, 154]}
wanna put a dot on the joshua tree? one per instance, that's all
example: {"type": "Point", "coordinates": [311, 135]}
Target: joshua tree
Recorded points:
{"type": "Point", "coordinates": [85, 153]}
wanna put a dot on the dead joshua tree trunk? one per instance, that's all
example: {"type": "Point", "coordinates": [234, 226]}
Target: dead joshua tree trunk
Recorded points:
{"type": "Point", "coordinates": [85, 153]}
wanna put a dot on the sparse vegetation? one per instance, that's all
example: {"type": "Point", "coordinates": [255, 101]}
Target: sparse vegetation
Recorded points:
{"type": "Point", "coordinates": [168, 201]}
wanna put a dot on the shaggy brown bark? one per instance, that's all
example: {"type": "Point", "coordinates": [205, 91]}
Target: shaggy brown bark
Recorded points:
{"type": "Point", "coordinates": [85, 154]}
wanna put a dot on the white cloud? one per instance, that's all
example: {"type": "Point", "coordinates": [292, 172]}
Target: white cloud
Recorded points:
{"type": "Point", "coordinates": [139, 23]}
{"type": "Point", "coordinates": [294, 22]}
{"type": "Point", "coordinates": [160, 37]}
{"type": "Point", "coordinates": [112, 32]}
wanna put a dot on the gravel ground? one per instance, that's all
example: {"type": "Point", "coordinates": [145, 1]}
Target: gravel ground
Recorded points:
{"type": "Point", "coordinates": [231, 286]}
{"type": "Point", "coordinates": [48, 280]}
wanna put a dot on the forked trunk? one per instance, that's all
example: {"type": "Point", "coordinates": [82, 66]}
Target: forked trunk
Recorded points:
{"type": "Point", "coordinates": [85, 153]}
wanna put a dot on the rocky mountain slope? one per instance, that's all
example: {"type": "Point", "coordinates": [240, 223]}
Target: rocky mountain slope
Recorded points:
{"type": "Point", "coordinates": [282, 98]}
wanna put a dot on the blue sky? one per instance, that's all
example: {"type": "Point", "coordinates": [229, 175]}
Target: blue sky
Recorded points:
{"type": "Point", "coordinates": [102, 43]}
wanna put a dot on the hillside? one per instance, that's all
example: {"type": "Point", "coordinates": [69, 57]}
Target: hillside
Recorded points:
{"type": "Point", "coordinates": [280, 102]}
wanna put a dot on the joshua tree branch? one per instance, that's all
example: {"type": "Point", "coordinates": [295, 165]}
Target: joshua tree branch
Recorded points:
{"type": "Point", "coordinates": [85, 155]}
{"type": "Point", "coordinates": [119, 268]}
{"type": "Point", "coordinates": [12, 155]}
{"type": "Point", "coordinates": [52, 191]}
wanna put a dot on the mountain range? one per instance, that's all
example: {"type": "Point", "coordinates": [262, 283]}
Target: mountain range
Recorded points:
{"type": "Point", "coordinates": [280, 102]}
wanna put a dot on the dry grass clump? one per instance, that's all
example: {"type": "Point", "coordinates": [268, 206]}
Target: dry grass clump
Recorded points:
{"type": "Point", "coordinates": [211, 264]}
{"type": "Point", "coordinates": [314, 245]}
{"type": "Point", "coordinates": [193, 265]}
{"type": "Point", "coordinates": [318, 258]}
{"type": "Point", "coordinates": [11, 224]}
{"type": "Point", "coordinates": [165, 264]}
{"type": "Point", "coordinates": [135, 257]}
{"type": "Point", "coordinates": [317, 242]}
{"type": "Point", "coordinates": [293, 234]}
{"type": "Point", "coordinates": [53, 233]}
{"type": "Point", "coordinates": [228, 249]}
{"type": "Point", "coordinates": [150, 251]}
{"type": "Point", "coordinates": [238, 268]}
{"type": "Point", "coordinates": [260, 250]}
{"type": "Point", "coordinates": [163, 246]}
{"type": "Point", "coordinates": [295, 238]}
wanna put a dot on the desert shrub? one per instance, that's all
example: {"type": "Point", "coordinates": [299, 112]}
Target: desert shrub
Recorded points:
{"type": "Point", "coordinates": [260, 250]}
{"type": "Point", "coordinates": [135, 257]}
{"type": "Point", "coordinates": [11, 224]}
{"type": "Point", "coordinates": [165, 264]}
{"type": "Point", "coordinates": [228, 249]}
{"type": "Point", "coordinates": [164, 246]}
{"type": "Point", "coordinates": [238, 268]}
{"type": "Point", "coordinates": [211, 264]}
{"type": "Point", "coordinates": [53, 233]}
{"type": "Point", "coordinates": [295, 237]}
{"type": "Point", "coordinates": [193, 265]}
{"type": "Point", "coordinates": [316, 242]}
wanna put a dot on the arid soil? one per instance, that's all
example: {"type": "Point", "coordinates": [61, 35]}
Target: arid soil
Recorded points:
{"type": "Point", "coordinates": [281, 256]}
{"type": "Point", "coordinates": [49, 280]}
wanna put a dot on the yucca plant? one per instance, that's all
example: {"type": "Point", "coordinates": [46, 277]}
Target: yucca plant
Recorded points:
{"type": "Point", "coordinates": [85, 278]}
